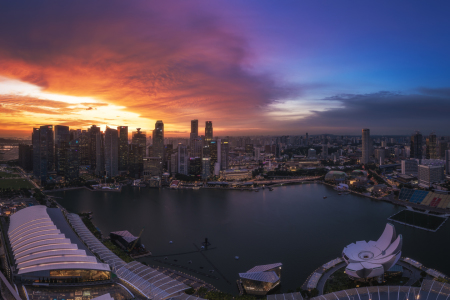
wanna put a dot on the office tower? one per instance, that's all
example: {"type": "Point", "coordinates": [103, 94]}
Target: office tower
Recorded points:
{"type": "Point", "coordinates": [324, 151]}
{"type": "Point", "coordinates": [84, 148]}
{"type": "Point", "coordinates": [123, 147]}
{"type": "Point", "coordinates": [219, 154]}
{"type": "Point", "coordinates": [206, 167]}
{"type": "Point", "coordinates": [135, 162]}
{"type": "Point", "coordinates": [46, 151]}
{"type": "Point", "coordinates": [431, 147]}
{"type": "Point", "coordinates": [383, 143]}
{"type": "Point", "coordinates": [442, 146]}
{"type": "Point", "coordinates": [152, 167]}
{"type": "Point", "coordinates": [35, 140]}
{"type": "Point", "coordinates": [447, 161]}
{"type": "Point", "coordinates": [62, 138]}
{"type": "Point", "coordinates": [429, 174]}
{"type": "Point", "coordinates": [111, 152]}
{"type": "Point", "coordinates": [249, 149]}
{"type": "Point", "coordinates": [168, 151]}
{"type": "Point", "coordinates": [196, 147]}
{"type": "Point", "coordinates": [312, 153]}
{"type": "Point", "coordinates": [365, 146]}
{"type": "Point", "coordinates": [407, 151]}
{"type": "Point", "coordinates": [208, 131]}
{"type": "Point", "coordinates": [139, 137]}
{"type": "Point", "coordinates": [92, 144]}
{"type": "Point", "coordinates": [26, 157]}
{"type": "Point", "coordinates": [307, 139]}
{"type": "Point", "coordinates": [224, 150]}
{"type": "Point", "coordinates": [213, 154]}
{"type": "Point", "coordinates": [416, 145]}
{"type": "Point", "coordinates": [182, 159]}
{"type": "Point", "coordinates": [194, 129]}
{"type": "Point", "coordinates": [99, 154]}
{"type": "Point", "coordinates": [158, 140]}
{"type": "Point", "coordinates": [72, 166]}
{"type": "Point", "coordinates": [174, 163]}
{"type": "Point", "coordinates": [195, 166]}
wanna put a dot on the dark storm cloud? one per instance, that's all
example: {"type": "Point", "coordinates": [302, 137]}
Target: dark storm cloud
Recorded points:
{"type": "Point", "coordinates": [388, 112]}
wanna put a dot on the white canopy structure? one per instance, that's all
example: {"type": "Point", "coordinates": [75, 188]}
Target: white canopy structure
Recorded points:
{"type": "Point", "coordinates": [371, 259]}
{"type": "Point", "coordinates": [42, 241]}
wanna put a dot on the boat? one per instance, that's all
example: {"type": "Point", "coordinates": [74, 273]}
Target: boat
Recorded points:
{"type": "Point", "coordinates": [170, 242]}
{"type": "Point", "coordinates": [256, 190]}
{"type": "Point", "coordinates": [339, 193]}
{"type": "Point", "coordinates": [324, 197]}
{"type": "Point", "coordinates": [196, 188]}
{"type": "Point", "coordinates": [270, 189]}
{"type": "Point", "coordinates": [236, 257]}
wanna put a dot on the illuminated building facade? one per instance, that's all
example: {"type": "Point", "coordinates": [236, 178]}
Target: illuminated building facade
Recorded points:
{"type": "Point", "coordinates": [260, 280]}
{"type": "Point", "coordinates": [123, 147]}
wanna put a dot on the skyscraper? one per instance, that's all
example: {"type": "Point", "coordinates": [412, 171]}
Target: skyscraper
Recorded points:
{"type": "Point", "coordinates": [35, 140]}
{"type": "Point", "coordinates": [416, 145]}
{"type": "Point", "coordinates": [208, 131]}
{"type": "Point", "coordinates": [224, 149]}
{"type": "Point", "coordinates": [365, 146]}
{"type": "Point", "coordinates": [139, 137]}
{"type": "Point", "coordinates": [158, 140]}
{"type": "Point", "coordinates": [46, 151]}
{"type": "Point", "coordinates": [123, 147]}
{"type": "Point", "coordinates": [431, 152]}
{"type": "Point", "coordinates": [99, 154]}
{"type": "Point", "coordinates": [194, 129]}
{"type": "Point", "coordinates": [26, 157]}
{"type": "Point", "coordinates": [182, 159]}
{"type": "Point", "coordinates": [111, 152]}
{"type": "Point", "coordinates": [92, 143]}
{"type": "Point", "coordinates": [62, 138]}
{"type": "Point", "coordinates": [72, 165]}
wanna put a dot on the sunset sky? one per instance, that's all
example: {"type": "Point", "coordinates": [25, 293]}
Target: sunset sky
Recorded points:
{"type": "Point", "coordinates": [252, 67]}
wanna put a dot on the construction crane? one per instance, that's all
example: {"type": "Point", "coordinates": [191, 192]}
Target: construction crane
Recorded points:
{"type": "Point", "coordinates": [134, 244]}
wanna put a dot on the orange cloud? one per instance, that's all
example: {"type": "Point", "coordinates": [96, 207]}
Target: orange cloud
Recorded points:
{"type": "Point", "coordinates": [156, 61]}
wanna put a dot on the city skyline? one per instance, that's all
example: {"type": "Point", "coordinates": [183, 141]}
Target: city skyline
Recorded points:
{"type": "Point", "coordinates": [250, 68]}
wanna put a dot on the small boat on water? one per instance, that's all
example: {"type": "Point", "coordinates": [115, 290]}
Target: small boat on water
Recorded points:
{"type": "Point", "coordinates": [196, 188]}
{"type": "Point", "coordinates": [324, 197]}
{"type": "Point", "coordinates": [339, 193]}
{"type": "Point", "coordinates": [256, 190]}
{"type": "Point", "coordinates": [270, 189]}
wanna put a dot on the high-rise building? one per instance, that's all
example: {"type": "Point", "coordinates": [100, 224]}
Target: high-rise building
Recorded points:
{"type": "Point", "coordinates": [365, 146]}
{"type": "Point", "coordinates": [429, 174]}
{"type": "Point", "coordinates": [324, 151]}
{"type": "Point", "coordinates": [100, 154]}
{"type": "Point", "coordinates": [111, 152]}
{"type": "Point", "coordinates": [72, 165]}
{"type": "Point", "coordinates": [431, 147]}
{"type": "Point", "coordinates": [195, 166]}
{"type": "Point", "coordinates": [174, 163]}
{"type": "Point", "coordinates": [158, 139]}
{"type": "Point", "coordinates": [206, 167]}
{"type": "Point", "coordinates": [46, 158]}
{"type": "Point", "coordinates": [139, 137]}
{"type": "Point", "coordinates": [416, 145]}
{"type": "Point", "coordinates": [135, 160]}
{"type": "Point", "coordinates": [182, 159]}
{"type": "Point", "coordinates": [84, 148]}
{"type": "Point", "coordinates": [249, 149]}
{"type": "Point", "coordinates": [194, 129]}
{"type": "Point", "coordinates": [93, 131]}
{"type": "Point", "coordinates": [208, 131]}
{"type": "Point", "coordinates": [224, 150]}
{"type": "Point", "coordinates": [26, 157]}
{"type": "Point", "coordinates": [380, 154]}
{"type": "Point", "coordinates": [62, 138]}
{"type": "Point", "coordinates": [35, 140]}
{"type": "Point", "coordinates": [410, 167]}
{"type": "Point", "coordinates": [213, 154]}
{"type": "Point", "coordinates": [123, 147]}
{"type": "Point", "coordinates": [152, 167]}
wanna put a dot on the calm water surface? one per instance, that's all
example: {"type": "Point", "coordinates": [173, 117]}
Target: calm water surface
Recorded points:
{"type": "Point", "coordinates": [293, 225]}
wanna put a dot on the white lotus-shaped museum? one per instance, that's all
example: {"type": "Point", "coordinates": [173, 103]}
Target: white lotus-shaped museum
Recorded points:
{"type": "Point", "coordinates": [372, 259]}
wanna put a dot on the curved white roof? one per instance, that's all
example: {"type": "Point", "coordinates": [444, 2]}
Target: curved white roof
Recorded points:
{"type": "Point", "coordinates": [38, 244]}
{"type": "Point", "coordinates": [371, 259]}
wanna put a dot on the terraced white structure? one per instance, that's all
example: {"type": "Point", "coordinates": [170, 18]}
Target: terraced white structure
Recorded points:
{"type": "Point", "coordinates": [371, 259]}
{"type": "Point", "coordinates": [44, 246]}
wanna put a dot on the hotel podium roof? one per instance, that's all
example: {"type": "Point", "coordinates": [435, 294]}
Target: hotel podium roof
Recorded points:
{"type": "Point", "coordinates": [41, 239]}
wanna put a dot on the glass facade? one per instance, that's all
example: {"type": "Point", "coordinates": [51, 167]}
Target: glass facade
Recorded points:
{"type": "Point", "coordinates": [67, 276]}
